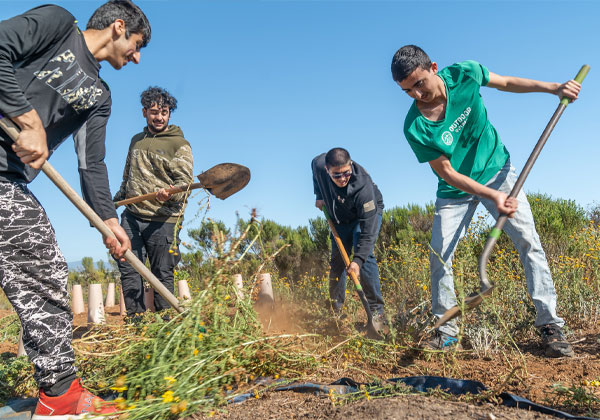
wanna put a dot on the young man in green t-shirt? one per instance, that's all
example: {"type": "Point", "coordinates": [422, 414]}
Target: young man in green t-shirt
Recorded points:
{"type": "Point", "coordinates": [447, 126]}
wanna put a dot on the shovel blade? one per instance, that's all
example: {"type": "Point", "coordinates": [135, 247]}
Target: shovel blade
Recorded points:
{"type": "Point", "coordinates": [471, 301]}
{"type": "Point", "coordinates": [225, 179]}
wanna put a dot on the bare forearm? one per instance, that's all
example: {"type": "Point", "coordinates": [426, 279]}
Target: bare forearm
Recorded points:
{"type": "Point", "coordinates": [569, 89]}
{"type": "Point", "coordinates": [444, 169]}
{"type": "Point", "coordinates": [466, 184]}
{"type": "Point", "coordinates": [521, 85]}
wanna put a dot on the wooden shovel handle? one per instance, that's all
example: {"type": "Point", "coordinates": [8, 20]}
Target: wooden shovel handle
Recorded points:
{"type": "Point", "coordinates": [342, 250]}
{"type": "Point", "coordinates": [13, 131]}
{"type": "Point", "coordinates": [151, 196]}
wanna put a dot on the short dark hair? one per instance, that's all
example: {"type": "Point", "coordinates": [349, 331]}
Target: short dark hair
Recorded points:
{"type": "Point", "coordinates": [337, 157]}
{"type": "Point", "coordinates": [135, 20]}
{"type": "Point", "coordinates": [159, 96]}
{"type": "Point", "coordinates": [407, 59]}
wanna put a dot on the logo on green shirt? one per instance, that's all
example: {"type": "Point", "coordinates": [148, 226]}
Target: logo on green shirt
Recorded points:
{"type": "Point", "coordinates": [447, 138]}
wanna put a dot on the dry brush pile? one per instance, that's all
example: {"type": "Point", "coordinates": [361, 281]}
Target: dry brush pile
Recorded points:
{"type": "Point", "coordinates": [218, 348]}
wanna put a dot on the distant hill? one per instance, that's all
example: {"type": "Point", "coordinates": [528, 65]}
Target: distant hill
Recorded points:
{"type": "Point", "coordinates": [77, 266]}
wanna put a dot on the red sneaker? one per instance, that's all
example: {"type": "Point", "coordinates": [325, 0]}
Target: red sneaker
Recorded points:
{"type": "Point", "coordinates": [76, 403]}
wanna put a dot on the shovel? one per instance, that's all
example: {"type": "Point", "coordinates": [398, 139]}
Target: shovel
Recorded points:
{"type": "Point", "coordinates": [486, 287]}
{"type": "Point", "coordinates": [222, 181]}
{"type": "Point", "coordinates": [371, 330]}
{"type": "Point", "coordinates": [13, 131]}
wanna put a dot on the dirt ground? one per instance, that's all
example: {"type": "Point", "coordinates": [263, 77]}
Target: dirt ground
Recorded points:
{"type": "Point", "coordinates": [292, 405]}
{"type": "Point", "coordinates": [529, 375]}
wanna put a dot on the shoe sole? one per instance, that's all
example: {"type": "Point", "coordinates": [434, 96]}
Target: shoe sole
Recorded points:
{"type": "Point", "coordinates": [456, 347]}
{"type": "Point", "coordinates": [557, 354]}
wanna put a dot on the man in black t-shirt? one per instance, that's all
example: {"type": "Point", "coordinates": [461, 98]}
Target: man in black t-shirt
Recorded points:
{"type": "Point", "coordinates": [50, 87]}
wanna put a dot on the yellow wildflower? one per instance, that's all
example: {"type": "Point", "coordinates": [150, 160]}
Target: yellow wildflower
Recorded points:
{"type": "Point", "coordinates": [167, 396]}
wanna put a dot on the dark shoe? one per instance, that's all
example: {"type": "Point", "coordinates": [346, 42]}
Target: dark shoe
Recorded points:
{"type": "Point", "coordinates": [554, 342]}
{"type": "Point", "coordinates": [442, 341]}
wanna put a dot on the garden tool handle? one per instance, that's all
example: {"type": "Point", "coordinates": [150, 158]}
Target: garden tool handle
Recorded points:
{"type": "Point", "coordinates": [486, 286]}
{"type": "Point", "coordinates": [151, 196]}
{"type": "Point", "coordinates": [497, 230]}
{"type": "Point", "coordinates": [13, 131]}
{"type": "Point", "coordinates": [340, 246]}
{"type": "Point", "coordinates": [583, 71]}
{"type": "Point", "coordinates": [371, 329]}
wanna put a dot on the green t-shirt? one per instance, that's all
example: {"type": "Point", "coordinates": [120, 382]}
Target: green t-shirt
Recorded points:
{"type": "Point", "coordinates": [465, 135]}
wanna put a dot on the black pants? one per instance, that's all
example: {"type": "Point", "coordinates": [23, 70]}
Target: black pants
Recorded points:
{"type": "Point", "coordinates": [369, 272]}
{"type": "Point", "coordinates": [33, 275]}
{"type": "Point", "coordinates": [151, 240]}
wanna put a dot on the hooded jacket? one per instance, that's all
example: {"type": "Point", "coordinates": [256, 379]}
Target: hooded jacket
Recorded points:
{"type": "Point", "coordinates": [359, 201]}
{"type": "Point", "coordinates": [156, 161]}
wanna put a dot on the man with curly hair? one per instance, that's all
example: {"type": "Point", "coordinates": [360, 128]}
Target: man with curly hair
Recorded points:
{"type": "Point", "coordinates": [159, 158]}
{"type": "Point", "coordinates": [50, 88]}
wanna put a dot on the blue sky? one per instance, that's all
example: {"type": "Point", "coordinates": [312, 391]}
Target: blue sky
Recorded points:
{"type": "Point", "coordinates": [271, 84]}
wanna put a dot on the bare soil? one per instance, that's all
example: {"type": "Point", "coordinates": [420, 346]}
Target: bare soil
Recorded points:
{"type": "Point", "coordinates": [292, 405]}
{"type": "Point", "coordinates": [526, 373]}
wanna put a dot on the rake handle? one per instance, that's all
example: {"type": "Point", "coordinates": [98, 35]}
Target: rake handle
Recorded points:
{"type": "Point", "coordinates": [13, 131]}
{"type": "Point", "coordinates": [151, 196]}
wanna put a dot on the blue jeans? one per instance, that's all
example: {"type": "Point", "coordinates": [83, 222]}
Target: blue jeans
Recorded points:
{"type": "Point", "coordinates": [450, 223]}
{"type": "Point", "coordinates": [369, 273]}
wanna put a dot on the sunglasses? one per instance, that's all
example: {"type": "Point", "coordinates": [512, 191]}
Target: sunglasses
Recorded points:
{"type": "Point", "coordinates": [341, 174]}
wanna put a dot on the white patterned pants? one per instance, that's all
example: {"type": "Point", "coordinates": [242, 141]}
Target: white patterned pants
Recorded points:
{"type": "Point", "coordinates": [33, 275]}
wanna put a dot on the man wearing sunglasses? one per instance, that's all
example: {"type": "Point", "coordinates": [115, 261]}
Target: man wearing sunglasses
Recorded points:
{"type": "Point", "coordinates": [355, 205]}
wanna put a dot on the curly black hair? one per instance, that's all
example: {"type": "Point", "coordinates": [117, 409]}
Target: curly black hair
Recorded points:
{"type": "Point", "coordinates": [159, 96]}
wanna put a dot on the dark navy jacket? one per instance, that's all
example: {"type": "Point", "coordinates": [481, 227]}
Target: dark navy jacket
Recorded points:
{"type": "Point", "coordinates": [359, 201]}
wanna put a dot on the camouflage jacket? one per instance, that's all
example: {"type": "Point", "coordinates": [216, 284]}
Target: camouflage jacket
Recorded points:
{"type": "Point", "coordinates": [156, 161]}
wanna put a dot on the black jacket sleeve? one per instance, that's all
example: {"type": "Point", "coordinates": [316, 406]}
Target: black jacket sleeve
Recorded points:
{"type": "Point", "coordinates": [90, 148]}
{"type": "Point", "coordinates": [22, 37]}
{"type": "Point", "coordinates": [366, 203]}
{"type": "Point", "coordinates": [315, 171]}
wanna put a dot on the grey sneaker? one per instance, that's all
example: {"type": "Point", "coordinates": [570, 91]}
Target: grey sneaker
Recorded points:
{"type": "Point", "coordinates": [554, 342]}
{"type": "Point", "coordinates": [442, 341]}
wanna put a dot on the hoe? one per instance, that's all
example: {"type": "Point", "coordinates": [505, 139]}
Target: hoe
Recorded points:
{"type": "Point", "coordinates": [486, 287]}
